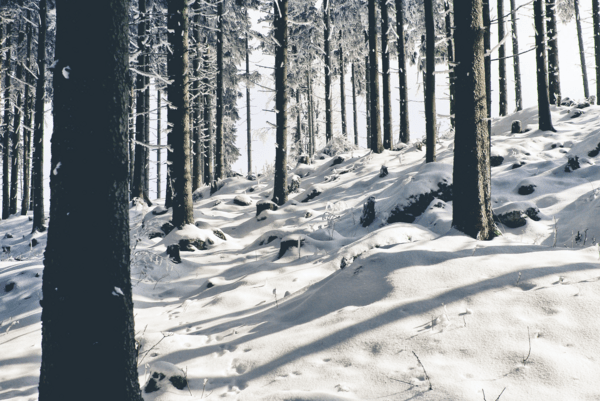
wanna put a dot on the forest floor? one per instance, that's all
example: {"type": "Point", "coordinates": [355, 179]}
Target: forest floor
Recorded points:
{"type": "Point", "coordinates": [361, 313]}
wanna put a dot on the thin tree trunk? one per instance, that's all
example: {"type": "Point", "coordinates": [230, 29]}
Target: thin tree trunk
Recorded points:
{"type": "Point", "coordinates": [158, 143]}
{"type": "Point", "coordinates": [586, 88]}
{"type": "Point", "coordinates": [298, 138]}
{"type": "Point", "coordinates": [385, 64]}
{"type": "Point", "coordinates": [503, 84]}
{"type": "Point", "coordinates": [16, 135]}
{"type": "Point", "coordinates": [545, 118]}
{"type": "Point", "coordinates": [37, 171]}
{"type": "Point", "coordinates": [430, 112]}
{"type": "Point", "coordinates": [208, 115]}
{"type": "Point", "coordinates": [472, 211]}
{"type": "Point", "coordinates": [91, 91]}
{"type": "Point", "coordinates": [7, 127]}
{"type": "Point", "coordinates": [343, 90]}
{"type": "Point", "coordinates": [27, 123]}
{"type": "Point", "coordinates": [280, 191]}
{"type": "Point", "coordinates": [219, 150]}
{"type": "Point", "coordinates": [368, 100]}
{"type": "Point", "coordinates": [404, 124]}
{"type": "Point", "coordinates": [196, 104]}
{"type": "Point", "coordinates": [311, 125]}
{"type": "Point", "coordinates": [596, 23]}
{"type": "Point", "coordinates": [248, 111]}
{"type": "Point", "coordinates": [328, 70]}
{"type": "Point", "coordinates": [516, 61]}
{"type": "Point", "coordinates": [354, 113]}
{"type": "Point", "coordinates": [451, 59]}
{"type": "Point", "coordinates": [178, 92]}
{"type": "Point", "coordinates": [553, 66]}
{"type": "Point", "coordinates": [488, 61]}
{"type": "Point", "coordinates": [376, 144]}
{"type": "Point", "coordinates": [137, 190]}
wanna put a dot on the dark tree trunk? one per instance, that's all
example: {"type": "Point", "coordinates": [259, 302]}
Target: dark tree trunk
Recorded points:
{"type": "Point", "coordinates": [368, 100]}
{"type": "Point", "coordinates": [179, 114]}
{"type": "Point", "coordinates": [298, 138]}
{"type": "Point", "coordinates": [488, 61]}
{"type": "Point", "coordinates": [516, 61]}
{"type": "Point", "coordinates": [503, 83]}
{"type": "Point", "coordinates": [343, 90]}
{"type": "Point", "coordinates": [430, 112]}
{"type": "Point", "coordinates": [197, 162]}
{"type": "Point", "coordinates": [7, 127]}
{"type": "Point", "coordinates": [586, 88]}
{"type": "Point", "coordinates": [553, 69]}
{"type": "Point", "coordinates": [311, 125]}
{"type": "Point", "coordinates": [354, 113]}
{"type": "Point", "coordinates": [208, 115]}
{"type": "Point", "coordinates": [16, 134]}
{"type": "Point", "coordinates": [328, 70]}
{"type": "Point", "coordinates": [147, 133]}
{"type": "Point", "coordinates": [37, 171]}
{"type": "Point", "coordinates": [545, 118]}
{"type": "Point", "coordinates": [596, 23]}
{"type": "Point", "coordinates": [219, 151]}
{"type": "Point", "coordinates": [404, 125]}
{"type": "Point", "coordinates": [451, 59]}
{"type": "Point", "coordinates": [27, 122]}
{"type": "Point", "coordinates": [92, 322]}
{"type": "Point", "coordinates": [280, 191]}
{"type": "Point", "coordinates": [158, 143]}
{"type": "Point", "coordinates": [373, 81]}
{"type": "Point", "coordinates": [137, 189]}
{"type": "Point", "coordinates": [472, 210]}
{"type": "Point", "coordinates": [385, 64]}
{"type": "Point", "coordinates": [248, 110]}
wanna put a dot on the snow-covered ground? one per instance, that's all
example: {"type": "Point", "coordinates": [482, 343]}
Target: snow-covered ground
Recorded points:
{"type": "Point", "coordinates": [360, 313]}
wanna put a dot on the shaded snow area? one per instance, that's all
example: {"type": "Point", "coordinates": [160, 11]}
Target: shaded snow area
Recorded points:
{"type": "Point", "coordinates": [325, 298]}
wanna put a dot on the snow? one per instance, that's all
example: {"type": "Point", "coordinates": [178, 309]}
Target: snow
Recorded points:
{"type": "Point", "coordinates": [346, 316]}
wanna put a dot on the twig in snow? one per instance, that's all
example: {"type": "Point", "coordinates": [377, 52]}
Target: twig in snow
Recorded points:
{"type": "Point", "coordinates": [154, 346]}
{"type": "Point", "coordinates": [275, 293]}
{"type": "Point", "coordinates": [518, 279]}
{"type": "Point", "coordinates": [529, 353]}
{"type": "Point", "coordinates": [188, 382]}
{"type": "Point", "coordinates": [426, 375]}
{"type": "Point", "coordinates": [496, 398]}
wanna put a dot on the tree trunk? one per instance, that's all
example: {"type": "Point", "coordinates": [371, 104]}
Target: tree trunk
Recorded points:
{"type": "Point", "coordinates": [404, 125]}
{"type": "Point", "coordinates": [219, 151]}
{"type": "Point", "coordinates": [178, 92]}
{"type": "Point", "coordinates": [37, 171]}
{"type": "Point", "coordinates": [586, 88]}
{"type": "Point", "coordinates": [7, 127]}
{"type": "Point", "coordinates": [488, 61]}
{"type": "Point", "coordinates": [158, 143]}
{"type": "Point", "coordinates": [354, 113]}
{"type": "Point", "coordinates": [503, 83]}
{"type": "Point", "coordinates": [472, 210]}
{"type": "Point", "coordinates": [83, 294]}
{"type": "Point", "coordinates": [545, 118]}
{"type": "Point", "coordinates": [430, 112]}
{"type": "Point", "coordinates": [342, 89]}
{"type": "Point", "coordinates": [208, 115]}
{"type": "Point", "coordinates": [553, 68]}
{"type": "Point", "coordinates": [451, 59]}
{"type": "Point", "coordinates": [516, 62]}
{"type": "Point", "coordinates": [27, 123]}
{"type": "Point", "coordinates": [196, 104]}
{"type": "Point", "coordinates": [16, 135]}
{"type": "Point", "coordinates": [137, 190]}
{"type": "Point", "coordinates": [368, 100]}
{"type": "Point", "coordinates": [328, 69]}
{"type": "Point", "coordinates": [596, 23]}
{"type": "Point", "coordinates": [248, 111]}
{"type": "Point", "coordinates": [311, 125]}
{"type": "Point", "coordinates": [298, 138]}
{"type": "Point", "coordinates": [385, 64]}
{"type": "Point", "coordinates": [280, 191]}
{"type": "Point", "coordinates": [376, 144]}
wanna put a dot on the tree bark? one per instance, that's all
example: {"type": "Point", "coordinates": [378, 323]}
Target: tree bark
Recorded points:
{"type": "Point", "coordinates": [311, 126]}
{"type": "Point", "coordinates": [354, 112]}
{"type": "Point", "coordinates": [553, 67]}
{"type": "Point", "coordinates": [343, 90]}
{"type": "Point", "coordinates": [208, 116]}
{"type": "Point", "coordinates": [596, 23]}
{"type": "Point", "coordinates": [516, 61]}
{"type": "Point", "coordinates": [404, 121]}
{"type": "Point", "coordinates": [158, 143]}
{"type": "Point", "coordinates": [16, 134]}
{"type": "Point", "coordinates": [472, 211]}
{"type": "Point", "coordinates": [179, 114]}
{"type": "Point", "coordinates": [328, 70]}
{"type": "Point", "coordinates": [37, 171]}
{"type": "Point", "coordinates": [89, 325]}
{"type": "Point", "coordinates": [138, 190]}
{"type": "Point", "coordinates": [219, 150]}
{"type": "Point", "coordinates": [503, 83]}
{"type": "Point", "coordinates": [27, 120]}
{"type": "Point", "coordinates": [376, 144]}
{"type": "Point", "coordinates": [368, 100]}
{"type": "Point", "coordinates": [248, 110]}
{"type": "Point", "coordinates": [385, 64]}
{"type": "Point", "coordinates": [7, 127]}
{"type": "Point", "coordinates": [488, 61]}
{"type": "Point", "coordinates": [280, 191]}
{"type": "Point", "coordinates": [545, 118]}
{"type": "Point", "coordinates": [586, 88]}
{"type": "Point", "coordinates": [451, 60]}
{"type": "Point", "coordinates": [196, 115]}
{"type": "Point", "coordinates": [430, 112]}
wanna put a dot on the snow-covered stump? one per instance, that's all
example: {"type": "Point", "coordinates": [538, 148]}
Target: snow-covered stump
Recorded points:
{"type": "Point", "coordinates": [294, 183]}
{"type": "Point", "coordinates": [242, 200]}
{"type": "Point", "coordinates": [337, 160]}
{"type": "Point", "coordinates": [368, 212]}
{"type": "Point", "coordinates": [515, 214]}
{"type": "Point", "coordinates": [383, 171]}
{"type": "Point", "coordinates": [304, 159]}
{"type": "Point", "coordinates": [496, 160]}
{"type": "Point", "coordinates": [173, 253]}
{"type": "Point", "coordinates": [265, 205]}
{"type": "Point", "coordinates": [291, 241]}
{"type": "Point", "coordinates": [515, 127]}
{"type": "Point", "coordinates": [165, 376]}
